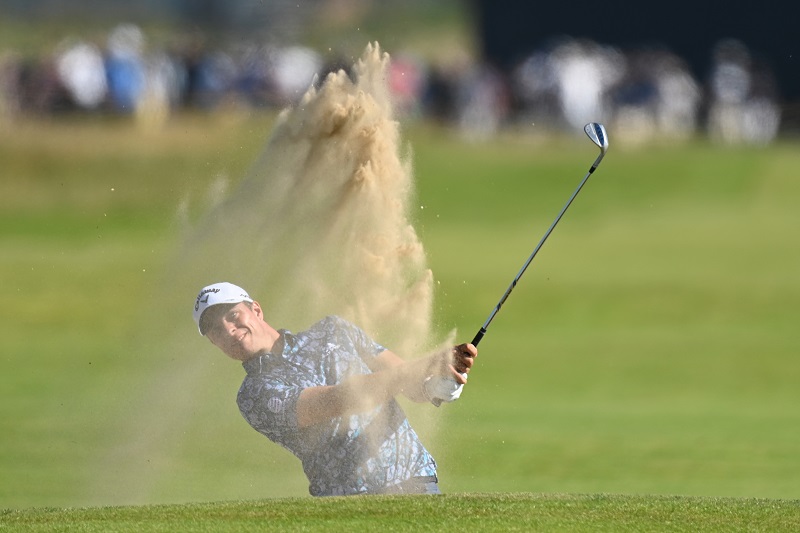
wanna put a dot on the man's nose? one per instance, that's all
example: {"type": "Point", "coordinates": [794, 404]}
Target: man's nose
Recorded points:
{"type": "Point", "coordinates": [230, 328]}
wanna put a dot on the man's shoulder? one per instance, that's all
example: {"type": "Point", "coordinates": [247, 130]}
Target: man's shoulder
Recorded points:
{"type": "Point", "coordinates": [328, 324]}
{"type": "Point", "coordinates": [331, 330]}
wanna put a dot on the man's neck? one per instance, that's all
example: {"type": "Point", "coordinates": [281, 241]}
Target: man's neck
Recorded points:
{"type": "Point", "coordinates": [272, 342]}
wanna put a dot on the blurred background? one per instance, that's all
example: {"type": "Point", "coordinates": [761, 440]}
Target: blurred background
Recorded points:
{"type": "Point", "coordinates": [652, 349]}
{"type": "Point", "coordinates": [720, 69]}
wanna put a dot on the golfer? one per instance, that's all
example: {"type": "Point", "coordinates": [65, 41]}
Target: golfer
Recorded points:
{"type": "Point", "coordinates": [328, 395]}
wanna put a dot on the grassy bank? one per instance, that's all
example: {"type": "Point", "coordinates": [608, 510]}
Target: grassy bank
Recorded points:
{"type": "Point", "coordinates": [477, 512]}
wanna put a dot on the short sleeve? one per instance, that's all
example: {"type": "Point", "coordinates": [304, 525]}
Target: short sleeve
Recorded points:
{"type": "Point", "coordinates": [271, 409]}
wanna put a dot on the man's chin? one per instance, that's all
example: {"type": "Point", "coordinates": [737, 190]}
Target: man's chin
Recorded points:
{"type": "Point", "coordinates": [239, 355]}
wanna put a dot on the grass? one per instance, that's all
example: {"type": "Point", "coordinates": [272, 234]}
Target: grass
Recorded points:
{"type": "Point", "coordinates": [478, 512]}
{"type": "Point", "coordinates": [650, 352]}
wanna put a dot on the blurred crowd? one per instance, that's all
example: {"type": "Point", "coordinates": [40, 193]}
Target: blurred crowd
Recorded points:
{"type": "Point", "coordinates": [641, 94]}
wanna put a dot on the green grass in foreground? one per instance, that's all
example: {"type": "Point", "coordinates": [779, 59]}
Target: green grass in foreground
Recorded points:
{"type": "Point", "coordinates": [457, 512]}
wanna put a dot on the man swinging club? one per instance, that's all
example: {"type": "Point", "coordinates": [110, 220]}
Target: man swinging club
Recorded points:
{"type": "Point", "coordinates": [328, 395]}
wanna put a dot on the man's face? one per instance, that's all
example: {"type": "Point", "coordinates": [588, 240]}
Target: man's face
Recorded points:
{"type": "Point", "coordinates": [239, 330]}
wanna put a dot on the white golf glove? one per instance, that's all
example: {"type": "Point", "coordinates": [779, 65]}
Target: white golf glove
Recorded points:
{"type": "Point", "coordinates": [442, 389]}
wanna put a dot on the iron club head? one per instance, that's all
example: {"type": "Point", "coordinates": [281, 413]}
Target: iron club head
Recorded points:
{"type": "Point", "coordinates": [597, 133]}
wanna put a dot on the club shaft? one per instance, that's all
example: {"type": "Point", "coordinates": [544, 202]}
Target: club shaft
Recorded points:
{"type": "Point", "coordinates": [485, 326]}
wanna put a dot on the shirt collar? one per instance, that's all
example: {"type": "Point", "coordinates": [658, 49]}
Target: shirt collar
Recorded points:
{"type": "Point", "coordinates": [254, 365]}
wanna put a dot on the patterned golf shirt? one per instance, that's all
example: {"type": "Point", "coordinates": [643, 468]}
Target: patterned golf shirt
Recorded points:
{"type": "Point", "coordinates": [361, 453]}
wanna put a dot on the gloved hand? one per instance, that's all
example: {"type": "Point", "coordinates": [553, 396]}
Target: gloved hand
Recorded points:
{"type": "Point", "coordinates": [443, 389]}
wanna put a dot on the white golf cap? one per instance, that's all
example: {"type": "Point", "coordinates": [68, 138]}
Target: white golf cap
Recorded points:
{"type": "Point", "coordinates": [215, 294]}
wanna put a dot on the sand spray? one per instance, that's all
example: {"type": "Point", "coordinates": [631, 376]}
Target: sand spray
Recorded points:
{"type": "Point", "coordinates": [321, 225]}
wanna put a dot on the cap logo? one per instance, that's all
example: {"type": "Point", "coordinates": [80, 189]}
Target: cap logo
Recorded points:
{"type": "Point", "coordinates": [204, 292]}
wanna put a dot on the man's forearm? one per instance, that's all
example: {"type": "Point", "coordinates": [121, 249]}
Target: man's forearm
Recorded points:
{"type": "Point", "coordinates": [413, 383]}
{"type": "Point", "coordinates": [358, 393]}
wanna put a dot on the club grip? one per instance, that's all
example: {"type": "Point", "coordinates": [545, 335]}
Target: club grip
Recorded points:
{"type": "Point", "coordinates": [478, 336]}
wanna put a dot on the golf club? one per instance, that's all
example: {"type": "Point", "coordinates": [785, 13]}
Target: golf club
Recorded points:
{"type": "Point", "coordinates": [597, 133]}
